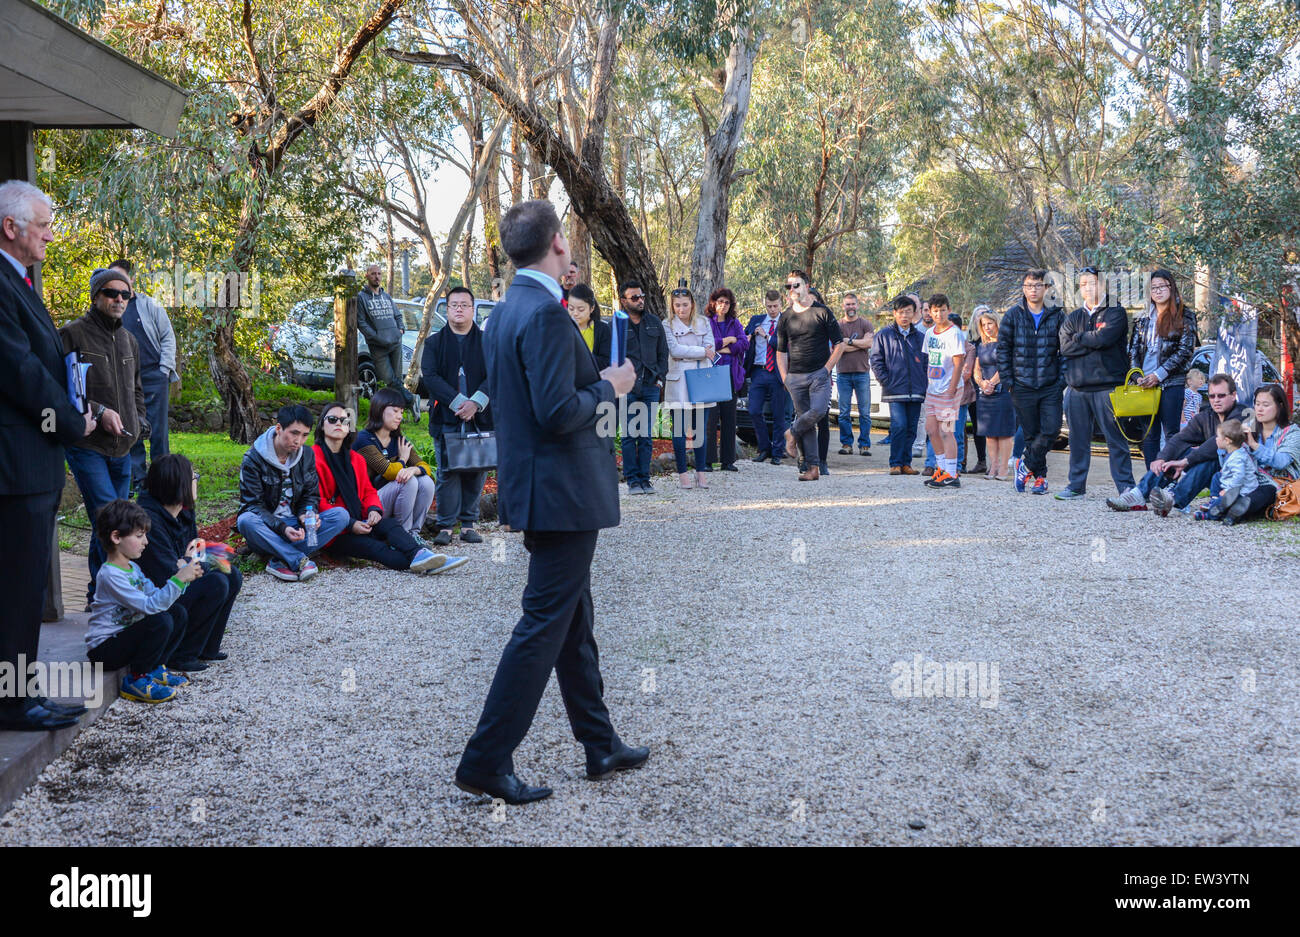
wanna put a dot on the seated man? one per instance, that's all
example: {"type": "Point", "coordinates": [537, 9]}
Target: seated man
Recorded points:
{"type": "Point", "coordinates": [278, 490]}
{"type": "Point", "coordinates": [1188, 460]}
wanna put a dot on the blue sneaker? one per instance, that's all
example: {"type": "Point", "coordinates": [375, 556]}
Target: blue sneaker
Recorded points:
{"type": "Point", "coordinates": [1040, 486]}
{"type": "Point", "coordinates": [1068, 494]}
{"type": "Point", "coordinates": [142, 689]}
{"type": "Point", "coordinates": [164, 677]}
{"type": "Point", "coordinates": [426, 559]}
{"type": "Point", "coordinates": [1022, 475]}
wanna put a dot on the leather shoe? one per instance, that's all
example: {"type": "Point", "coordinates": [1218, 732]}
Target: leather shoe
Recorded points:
{"type": "Point", "coordinates": [220, 655]}
{"type": "Point", "coordinates": [896, 470]}
{"type": "Point", "coordinates": [761, 457]}
{"type": "Point", "coordinates": [812, 474]}
{"type": "Point", "coordinates": [908, 470]}
{"type": "Point", "coordinates": [791, 445]}
{"type": "Point", "coordinates": [506, 786]}
{"type": "Point", "coordinates": [622, 760]}
{"type": "Point", "coordinates": [37, 719]}
{"type": "Point", "coordinates": [776, 460]}
{"type": "Point", "coordinates": [61, 709]}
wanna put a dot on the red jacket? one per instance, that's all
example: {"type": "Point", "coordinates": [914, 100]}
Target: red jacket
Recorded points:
{"type": "Point", "coordinates": [329, 492]}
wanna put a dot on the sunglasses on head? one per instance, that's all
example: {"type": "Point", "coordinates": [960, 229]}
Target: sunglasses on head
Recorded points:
{"type": "Point", "coordinates": [681, 292]}
{"type": "Point", "coordinates": [334, 418]}
{"type": "Point", "coordinates": [115, 294]}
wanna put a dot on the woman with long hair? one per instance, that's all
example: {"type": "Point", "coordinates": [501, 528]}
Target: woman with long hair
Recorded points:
{"type": "Point", "coordinates": [1162, 345]}
{"type": "Point", "coordinates": [403, 479]}
{"type": "Point", "coordinates": [731, 342]}
{"type": "Point", "coordinates": [690, 346]}
{"type": "Point", "coordinates": [1274, 444]}
{"type": "Point", "coordinates": [344, 483]}
{"type": "Point", "coordinates": [585, 312]}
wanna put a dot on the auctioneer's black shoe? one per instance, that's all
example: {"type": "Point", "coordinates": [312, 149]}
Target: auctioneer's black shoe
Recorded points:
{"type": "Point", "coordinates": [600, 768]}
{"type": "Point", "coordinates": [506, 786]}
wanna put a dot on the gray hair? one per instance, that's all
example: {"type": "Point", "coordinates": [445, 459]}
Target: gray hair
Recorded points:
{"type": "Point", "coordinates": [16, 200]}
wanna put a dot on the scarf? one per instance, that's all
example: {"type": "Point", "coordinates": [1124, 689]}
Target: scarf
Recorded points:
{"type": "Point", "coordinates": [345, 479]}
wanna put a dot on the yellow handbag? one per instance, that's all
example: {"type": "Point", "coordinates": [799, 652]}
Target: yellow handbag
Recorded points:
{"type": "Point", "coordinates": [1130, 400]}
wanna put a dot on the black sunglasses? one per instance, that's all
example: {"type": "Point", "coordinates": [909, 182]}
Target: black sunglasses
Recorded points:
{"type": "Point", "coordinates": [338, 419]}
{"type": "Point", "coordinates": [116, 294]}
{"type": "Point", "coordinates": [680, 292]}
{"type": "Point", "coordinates": [636, 298]}
{"type": "Point", "coordinates": [792, 286]}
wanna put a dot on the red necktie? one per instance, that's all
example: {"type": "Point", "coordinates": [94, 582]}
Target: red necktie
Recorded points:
{"type": "Point", "coordinates": [28, 281]}
{"type": "Point", "coordinates": [770, 364]}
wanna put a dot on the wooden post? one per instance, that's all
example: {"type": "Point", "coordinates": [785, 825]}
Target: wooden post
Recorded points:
{"type": "Point", "coordinates": [345, 338]}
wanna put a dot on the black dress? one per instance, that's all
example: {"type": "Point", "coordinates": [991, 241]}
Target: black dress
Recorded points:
{"type": "Point", "coordinates": [995, 415]}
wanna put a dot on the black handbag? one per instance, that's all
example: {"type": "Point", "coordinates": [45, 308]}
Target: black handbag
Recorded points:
{"type": "Point", "coordinates": [470, 452]}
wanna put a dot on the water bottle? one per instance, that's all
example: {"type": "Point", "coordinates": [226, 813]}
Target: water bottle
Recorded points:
{"type": "Point", "coordinates": [309, 519]}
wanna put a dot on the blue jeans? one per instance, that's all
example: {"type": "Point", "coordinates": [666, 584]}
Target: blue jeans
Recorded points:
{"type": "Point", "coordinates": [903, 417]}
{"type": "Point", "coordinates": [641, 412]}
{"type": "Point", "coordinates": [1186, 488]}
{"type": "Point", "coordinates": [693, 420]}
{"type": "Point", "coordinates": [847, 385]}
{"type": "Point", "coordinates": [388, 368]}
{"type": "Point", "coordinates": [766, 390]}
{"type": "Point", "coordinates": [101, 479]}
{"type": "Point", "coordinates": [959, 430]}
{"type": "Point", "coordinates": [267, 542]}
{"type": "Point", "coordinates": [156, 393]}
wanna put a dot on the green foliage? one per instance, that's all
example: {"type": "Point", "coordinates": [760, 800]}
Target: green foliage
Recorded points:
{"type": "Point", "coordinates": [949, 223]}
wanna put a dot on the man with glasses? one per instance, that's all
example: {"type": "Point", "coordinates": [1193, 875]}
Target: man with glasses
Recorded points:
{"type": "Point", "coordinates": [1029, 364]}
{"type": "Point", "coordinates": [101, 463]}
{"type": "Point", "coordinates": [805, 336]}
{"type": "Point", "coordinates": [380, 321]}
{"type": "Point", "coordinates": [647, 349]}
{"type": "Point", "coordinates": [765, 387]}
{"type": "Point", "coordinates": [1189, 459]}
{"type": "Point", "coordinates": [146, 319]}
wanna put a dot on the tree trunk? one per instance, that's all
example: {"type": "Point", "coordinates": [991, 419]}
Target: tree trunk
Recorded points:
{"type": "Point", "coordinates": [228, 372]}
{"type": "Point", "coordinates": [709, 257]}
{"type": "Point", "coordinates": [346, 375]}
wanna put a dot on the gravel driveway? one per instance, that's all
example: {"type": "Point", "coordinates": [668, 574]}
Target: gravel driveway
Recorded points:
{"type": "Point", "coordinates": [1132, 680]}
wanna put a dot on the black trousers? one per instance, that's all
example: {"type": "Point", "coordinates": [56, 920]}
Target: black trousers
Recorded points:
{"type": "Point", "coordinates": [823, 437]}
{"type": "Point", "coordinates": [555, 633]}
{"type": "Point", "coordinates": [1039, 412]}
{"type": "Point", "coordinates": [724, 415]}
{"type": "Point", "coordinates": [207, 602]}
{"type": "Point", "coordinates": [26, 537]}
{"type": "Point", "coordinates": [981, 442]}
{"type": "Point", "coordinates": [387, 543]}
{"type": "Point", "coordinates": [142, 646]}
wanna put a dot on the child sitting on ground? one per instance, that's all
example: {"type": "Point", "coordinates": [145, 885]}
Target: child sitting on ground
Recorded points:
{"type": "Point", "coordinates": [130, 625]}
{"type": "Point", "coordinates": [1237, 477]}
{"type": "Point", "coordinates": [1192, 396]}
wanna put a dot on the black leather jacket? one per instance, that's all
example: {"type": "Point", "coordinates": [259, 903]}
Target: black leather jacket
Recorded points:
{"type": "Point", "coordinates": [260, 484]}
{"type": "Point", "coordinates": [1176, 351]}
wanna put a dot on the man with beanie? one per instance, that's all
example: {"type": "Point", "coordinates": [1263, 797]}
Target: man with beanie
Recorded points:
{"type": "Point", "coordinates": [39, 421]}
{"type": "Point", "coordinates": [101, 462]}
{"type": "Point", "coordinates": [1029, 363]}
{"type": "Point", "coordinates": [146, 320]}
{"type": "Point", "coordinates": [1094, 344]}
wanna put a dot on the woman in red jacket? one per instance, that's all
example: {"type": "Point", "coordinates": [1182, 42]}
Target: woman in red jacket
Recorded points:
{"type": "Point", "coordinates": [345, 483]}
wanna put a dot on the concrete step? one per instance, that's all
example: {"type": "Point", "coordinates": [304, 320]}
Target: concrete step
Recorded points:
{"type": "Point", "coordinates": [24, 755]}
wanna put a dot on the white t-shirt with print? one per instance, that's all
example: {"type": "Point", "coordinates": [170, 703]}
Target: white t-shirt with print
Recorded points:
{"type": "Point", "coordinates": [940, 349]}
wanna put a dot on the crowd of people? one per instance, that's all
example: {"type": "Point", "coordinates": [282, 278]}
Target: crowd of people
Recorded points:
{"type": "Point", "coordinates": [159, 604]}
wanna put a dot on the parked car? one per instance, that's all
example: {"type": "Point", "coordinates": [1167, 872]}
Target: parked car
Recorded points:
{"type": "Point", "coordinates": [879, 413]}
{"type": "Point", "coordinates": [304, 342]}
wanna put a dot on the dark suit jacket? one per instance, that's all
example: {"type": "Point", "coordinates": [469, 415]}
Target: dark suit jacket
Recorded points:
{"type": "Point", "coordinates": [554, 472]}
{"type": "Point", "coordinates": [36, 418]}
{"type": "Point", "coordinates": [751, 352]}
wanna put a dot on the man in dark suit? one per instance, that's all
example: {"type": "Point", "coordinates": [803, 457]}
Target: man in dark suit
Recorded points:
{"type": "Point", "coordinates": [765, 387]}
{"type": "Point", "coordinates": [556, 481]}
{"type": "Point", "coordinates": [38, 421]}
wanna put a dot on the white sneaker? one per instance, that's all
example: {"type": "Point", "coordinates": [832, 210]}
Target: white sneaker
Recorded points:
{"type": "Point", "coordinates": [1161, 501]}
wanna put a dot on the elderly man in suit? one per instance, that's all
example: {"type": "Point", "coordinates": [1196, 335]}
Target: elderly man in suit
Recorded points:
{"type": "Point", "coordinates": [556, 481]}
{"type": "Point", "coordinates": [39, 420]}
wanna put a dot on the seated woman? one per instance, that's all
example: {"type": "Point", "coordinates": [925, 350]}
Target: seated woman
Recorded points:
{"type": "Point", "coordinates": [170, 489]}
{"type": "Point", "coordinates": [1274, 444]}
{"type": "Point", "coordinates": [341, 473]}
{"type": "Point", "coordinates": [585, 312]}
{"type": "Point", "coordinates": [404, 480]}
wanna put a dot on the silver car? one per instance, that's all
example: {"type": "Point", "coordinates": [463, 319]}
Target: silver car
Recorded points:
{"type": "Point", "coordinates": [304, 342]}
